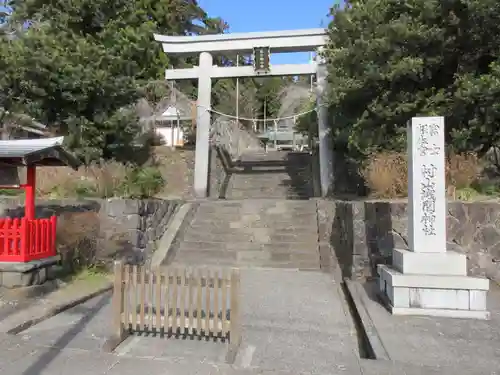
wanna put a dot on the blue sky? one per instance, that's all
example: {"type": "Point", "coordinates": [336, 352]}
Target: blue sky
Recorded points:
{"type": "Point", "coordinates": [268, 15]}
{"type": "Point", "coordinates": [3, 8]}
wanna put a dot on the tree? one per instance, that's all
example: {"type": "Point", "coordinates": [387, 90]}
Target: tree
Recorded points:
{"type": "Point", "coordinates": [390, 60]}
{"type": "Point", "coordinates": [82, 64]}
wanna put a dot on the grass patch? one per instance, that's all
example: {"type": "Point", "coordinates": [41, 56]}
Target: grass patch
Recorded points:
{"type": "Point", "coordinates": [11, 192]}
{"type": "Point", "coordinates": [487, 188]}
{"type": "Point", "coordinates": [92, 275]}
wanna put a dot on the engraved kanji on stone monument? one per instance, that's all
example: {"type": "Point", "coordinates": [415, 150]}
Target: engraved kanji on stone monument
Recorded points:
{"type": "Point", "coordinates": [426, 185]}
{"type": "Point", "coordinates": [428, 199]}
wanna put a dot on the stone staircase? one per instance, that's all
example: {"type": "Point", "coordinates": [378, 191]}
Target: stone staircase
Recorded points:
{"type": "Point", "coordinates": [250, 233]}
{"type": "Point", "coordinates": [273, 174]}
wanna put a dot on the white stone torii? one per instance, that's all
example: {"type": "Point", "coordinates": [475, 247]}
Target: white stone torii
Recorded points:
{"type": "Point", "coordinates": [240, 43]}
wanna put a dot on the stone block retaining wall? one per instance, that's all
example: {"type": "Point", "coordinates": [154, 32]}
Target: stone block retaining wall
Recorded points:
{"type": "Point", "coordinates": [137, 224]}
{"type": "Point", "coordinates": [133, 226]}
{"type": "Point", "coordinates": [363, 234]}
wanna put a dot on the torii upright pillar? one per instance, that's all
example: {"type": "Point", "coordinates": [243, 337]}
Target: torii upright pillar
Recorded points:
{"type": "Point", "coordinates": [203, 126]}
{"type": "Point", "coordinates": [325, 149]}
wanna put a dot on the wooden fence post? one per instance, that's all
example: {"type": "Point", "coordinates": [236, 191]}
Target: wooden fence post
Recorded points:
{"type": "Point", "coordinates": [235, 318]}
{"type": "Point", "coordinates": [118, 299]}
{"type": "Point", "coordinates": [119, 331]}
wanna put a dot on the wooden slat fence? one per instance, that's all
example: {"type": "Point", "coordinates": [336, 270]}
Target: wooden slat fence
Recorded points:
{"type": "Point", "coordinates": [176, 301]}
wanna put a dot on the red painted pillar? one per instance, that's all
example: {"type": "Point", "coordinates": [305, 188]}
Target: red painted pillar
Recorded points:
{"type": "Point", "coordinates": [29, 210]}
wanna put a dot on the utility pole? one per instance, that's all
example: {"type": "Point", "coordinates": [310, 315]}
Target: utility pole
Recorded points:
{"type": "Point", "coordinates": [173, 102]}
{"type": "Point", "coordinates": [237, 92]}
{"type": "Point", "coordinates": [311, 79]}
{"type": "Point", "coordinates": [237, 106]}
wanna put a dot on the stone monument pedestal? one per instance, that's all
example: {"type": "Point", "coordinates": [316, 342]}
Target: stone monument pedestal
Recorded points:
{"type": "Point", "coordinates": [427, 279]}
{"type": "Point", "coordinates": [434, 284]}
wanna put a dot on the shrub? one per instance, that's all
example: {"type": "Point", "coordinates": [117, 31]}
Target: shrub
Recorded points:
{"type": "Point", "coordinates": [100, 180]}
{"type": "Point", "coordinates": [82, 245]}
{"type": "Point", "coordinates": [386, 175]}
{"type": "Point", "coordinates": [462, 170]}
{"type": "Point", "coordinates": [142, 182]}
{"type": "Point", "coordinates": [77, 240]}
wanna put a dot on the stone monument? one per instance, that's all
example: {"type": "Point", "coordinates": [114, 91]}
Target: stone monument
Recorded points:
{"type": "Point", "coordinates": [427, 279]}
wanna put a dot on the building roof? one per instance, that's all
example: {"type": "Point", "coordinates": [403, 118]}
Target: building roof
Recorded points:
{"type": "Point", "coordinates": [36, 152]}
{"type": "Point", "coordinates": [175, 106]}
{"type": "Point", "coordinates": [171, 114]}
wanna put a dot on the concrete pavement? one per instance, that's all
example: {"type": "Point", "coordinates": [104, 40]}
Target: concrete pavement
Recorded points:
{"type": "Point", "coordinates": [83, 327]}
{"type": "Point", "coordinates": [295, 322]}
{"type": "Point", "coordinates": [442, 345]}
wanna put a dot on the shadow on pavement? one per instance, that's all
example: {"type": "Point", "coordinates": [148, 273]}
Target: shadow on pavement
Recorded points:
{"type": "Point", "coordinates": [42, 362]}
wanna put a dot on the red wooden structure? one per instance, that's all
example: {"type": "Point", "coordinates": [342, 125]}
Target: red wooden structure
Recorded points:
{"type": "Point", "coordinates": [28, 238]}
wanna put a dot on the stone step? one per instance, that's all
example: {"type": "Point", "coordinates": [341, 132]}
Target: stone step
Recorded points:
{"type": "Point", "coordinates": [247, 255]}
{"type": "Point", "coordinates": [274, 159]}
{"type": "Point", "coordinates": [258, 195]}
{"type": "Point", "coordinates": [265, 265]}
{"type": "Point", "coordinates": [288, 227]}
{"type": "Point", "coordinates": [288, 175]}
{"type": "Point", "coordinates": [269, 194]}
{"type": "Point", "coordinates": [267, 184]}
{"type": "Point", "coordinates": [268, 210]}
{"type": "Point", "coordinates": [284, 247]}
{"type": "Point", "coordinates": [266, 178]}
{"type": "Point", "coordinates": [274, 164]}
{"type": "Point", "coordinates": [272, 169]}
{"type": "Point", "coordinates": [227, 262]}
{"type": "Point", "coordinates": [269, 187]}
{"type": "Point", "coordinates": [247, 215]}
{"type": "Point", "coordinates": [222, 230]}
{"type": "Point", "coordinates": [258, 181]}
{"type": "Point", "coordinates": [241, 221]}
{"type": "Point", "coordinates": [254, 203]}
{"type": "Point", "coordinates": [232, 236]}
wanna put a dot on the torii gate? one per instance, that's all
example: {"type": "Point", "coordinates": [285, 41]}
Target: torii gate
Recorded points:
{"type": "Point", "coordinates": [259, 44]}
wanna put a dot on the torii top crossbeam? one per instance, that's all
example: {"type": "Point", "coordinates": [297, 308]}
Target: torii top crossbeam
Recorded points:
{"type": "Point", "coordinates": [278, 41]}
